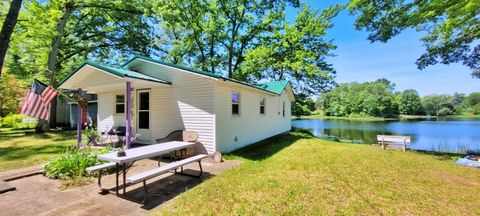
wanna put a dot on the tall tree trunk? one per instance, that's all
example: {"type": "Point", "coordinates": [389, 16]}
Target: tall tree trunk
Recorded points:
{"type": "Point", "coordinates": [53, 64]}
{"type": "Point", "coordinates": [7, 29]}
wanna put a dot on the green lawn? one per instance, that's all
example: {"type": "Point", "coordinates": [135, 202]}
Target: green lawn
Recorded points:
{"type": "Point", "coordinates": [23, 148]}
{"type": "Point", "coordinates": [300, 175]}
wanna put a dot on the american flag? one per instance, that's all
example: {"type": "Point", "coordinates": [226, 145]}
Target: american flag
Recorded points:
{"type": "Point", "coordinates": [36, 103]}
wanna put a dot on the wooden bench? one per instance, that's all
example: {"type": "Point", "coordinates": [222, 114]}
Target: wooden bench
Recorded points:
{"type": "Point", "coordinates": [143, 177]}
{"type": "Point", "coordinates": [403, 142]}
{"type": "Point", "coordinates": [100, 168]}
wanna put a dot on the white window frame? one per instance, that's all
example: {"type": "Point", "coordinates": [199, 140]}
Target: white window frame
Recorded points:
{"type": "Point", "coordinates": [238, 103]}
{"type": "Point", "coordinates": [116, 103]}
{"type": "Point", "coordinates": [264, 105]}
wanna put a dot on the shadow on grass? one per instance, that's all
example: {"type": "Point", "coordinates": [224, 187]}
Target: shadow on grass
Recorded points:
{"type": "Point", "coordinates": [19, 153]}
{"type": "Point", "coordinates": [268, 147]}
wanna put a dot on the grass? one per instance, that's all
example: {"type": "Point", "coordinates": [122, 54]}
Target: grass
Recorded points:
{"type": "Point", "coordinates": [298, 174]}
{"type": "Point", "coordinates": [23, 148]}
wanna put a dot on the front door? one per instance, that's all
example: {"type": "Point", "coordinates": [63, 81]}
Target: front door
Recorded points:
{"type": "Point", "coordinates": [143, 115]}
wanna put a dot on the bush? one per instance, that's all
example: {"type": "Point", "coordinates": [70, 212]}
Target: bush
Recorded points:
{"type": "Point", "coordinates": [73, 162]}
{"type": "Point", "coordinates": [18, 121]}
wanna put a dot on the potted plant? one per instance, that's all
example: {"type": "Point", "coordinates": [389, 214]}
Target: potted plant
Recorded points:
{"type": "Point", "coordinates": [92, 135]}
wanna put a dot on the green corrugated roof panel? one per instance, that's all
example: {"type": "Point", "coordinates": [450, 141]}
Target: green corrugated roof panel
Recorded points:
{"type": "Point", "coordinates": [171, 65]}
{"type": "Point", "coordinates": [272, 87]}
{"type": "Point", "coordinates": [276, 86]}
{"type": "Point", "coordinates": [121, 72]}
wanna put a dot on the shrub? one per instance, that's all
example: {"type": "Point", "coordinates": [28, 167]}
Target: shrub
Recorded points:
{"type": "Point", "coordinates": [73, 162]}
{"type": "Point", "coordinates": [18, 121]}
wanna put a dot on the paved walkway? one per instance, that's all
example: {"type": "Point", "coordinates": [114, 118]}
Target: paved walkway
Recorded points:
{"type": "Point", "coordinates": [38, 195]}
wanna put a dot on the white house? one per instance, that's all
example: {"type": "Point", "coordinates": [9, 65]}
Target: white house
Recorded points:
{"type": "Point", "coordinates": [227, 114]}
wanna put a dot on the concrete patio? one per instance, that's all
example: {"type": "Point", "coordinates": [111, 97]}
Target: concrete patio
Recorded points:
{"type": "Point", "coordinates": [39, 195]}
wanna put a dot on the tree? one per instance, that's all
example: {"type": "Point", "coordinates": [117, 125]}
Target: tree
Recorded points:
{"type": "Point", "coordinates": [249, 40]}
{"type": "Point", "coordinates": [295, 52]}
{"type": "Point", "coordinates": [452, 27]}
{"type": "Point", "coordinates": [7, 29]}
{"type": "Point", "coordinates": [438, 105]}
{"type": "Point", "coordinates": [458, 102]}
{"type": "Point", "coordinates": [472, 99]}
{"type": "Point", "coordinates": [374, 99]}
{"type": "Point", "coordinates": [303, 105]}
{"type": "Point", "coordinates": [11, 93]}
{"type": "Point", "coordinates": [58, 34]}
{"type": "Point", "coordinates": [410, 102]}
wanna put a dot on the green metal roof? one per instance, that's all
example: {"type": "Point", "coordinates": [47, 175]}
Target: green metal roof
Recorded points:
{"type": "Point", "coordinates": [121, 72]}
{"type": "Point", "coordinates": [276, 86]}
{"type": "Point", "coordinates": [171, 65]}
{"type": "Point", "coordinates": [271, 87]}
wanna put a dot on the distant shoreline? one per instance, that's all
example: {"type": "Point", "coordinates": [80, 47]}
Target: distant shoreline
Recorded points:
{"type": "Point", "coordinates": [401, 117]}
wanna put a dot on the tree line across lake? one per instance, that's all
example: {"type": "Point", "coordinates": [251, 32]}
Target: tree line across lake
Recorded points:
{"type": "Point", "coordinates": [380, 99]}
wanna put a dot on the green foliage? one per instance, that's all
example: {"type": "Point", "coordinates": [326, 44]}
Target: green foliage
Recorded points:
{"type": "Point", "coordinates": [73, 162]}
{"type": "Point", "coordinates": [295, 52]}
{"type": "Point", "coordinates": [375, 99]}
{"type": "Point", "coordinates": [452, 27]}
{"type": "Point", "coordinates": [476, 109]}
{"type": "Point", "coordinates": [100, 29]}
{"type": "Point", "coordinates": [11, 93]}
{"type": "Point", "coordinates": [410, 102]}
{"type": "Point", "coordinates": [249, 40]}
{"type": "Point", "coordinates": [17, 121]}
{"type": "Point", "coordinates": [443, 111]}
{"type": "Point", "coordinates": [303, 105]}
{"type": "Point", "coordinates": [298, 109]}
{"type": "Point", "coordinates": [438, 104]}
{"type": "Point", "coordinates": [90, 131]}
{"type": "Point", "coordinates": [472, 99]}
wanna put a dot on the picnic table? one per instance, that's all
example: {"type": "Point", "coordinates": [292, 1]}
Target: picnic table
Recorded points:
{"type": "Point", "coordinates": [140, 153]}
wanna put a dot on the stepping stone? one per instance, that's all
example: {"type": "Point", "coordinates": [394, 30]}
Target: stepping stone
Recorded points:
{"type": "Point", "coordinates": [5, 187]}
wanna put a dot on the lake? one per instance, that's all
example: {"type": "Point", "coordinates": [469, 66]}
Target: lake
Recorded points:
{"type": "Point", "coordinates": [442, 135]}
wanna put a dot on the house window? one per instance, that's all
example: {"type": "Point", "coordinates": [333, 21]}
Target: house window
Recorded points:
{"type": "Point", "coordinates": [119, 103]}
{"type": "Point", "coordinates": [262, 105]}
{"type": "Point", "coordinates": [283, 109]}
{"type": "Point", "coordinates": [235, 103]}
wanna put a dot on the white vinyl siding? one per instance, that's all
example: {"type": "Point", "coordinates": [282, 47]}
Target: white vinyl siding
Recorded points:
{"type": "Point", "coordinates": [192, 99]}
{"type": "Point", "coordinates": [107, 118]}
{"type": "Point", "coordinates": [234, 132]}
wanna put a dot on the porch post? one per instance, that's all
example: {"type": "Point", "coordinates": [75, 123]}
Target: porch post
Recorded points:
{"type": "Point", "coordinates": [79, 122]}
{"type": "Point", "coordinates": [127, 115]}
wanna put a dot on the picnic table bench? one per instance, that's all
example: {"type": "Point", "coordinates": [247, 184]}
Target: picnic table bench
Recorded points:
{"type": "Point", "coordinates": [403, 142]}
{"type": "Point", "coordinates": [146, 152]}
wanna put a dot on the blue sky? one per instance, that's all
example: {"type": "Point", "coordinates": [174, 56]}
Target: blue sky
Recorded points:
{"type": "Point", "coordinates": [359, 60]}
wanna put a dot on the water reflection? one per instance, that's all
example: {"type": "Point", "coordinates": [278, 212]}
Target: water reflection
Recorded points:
{"type": "Point", "coordinates": [446, 135]}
